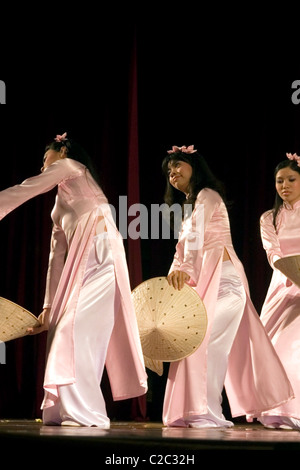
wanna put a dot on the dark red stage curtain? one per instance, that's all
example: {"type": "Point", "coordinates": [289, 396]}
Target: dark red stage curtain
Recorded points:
{"type": "Point", "coordinates": [138, 408]}
{"type": "Point", "coordinates": [133, 182]}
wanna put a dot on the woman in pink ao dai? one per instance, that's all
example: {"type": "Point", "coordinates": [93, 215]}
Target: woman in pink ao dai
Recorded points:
{"type": "Point", "coordinates": [280, 234]}
{"type": "Point", "coordinates": [88, 309]}
{"type": "Point", "coordinates": [236, 350]}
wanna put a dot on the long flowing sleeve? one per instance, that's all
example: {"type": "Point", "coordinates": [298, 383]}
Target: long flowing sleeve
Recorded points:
{"type": "Point", "coordinates": [13, 197]}
{"type": "Point", "coordinates": [58, 250]}
{"type": "Point", "coordinates": [189, 249]}
{"type": "Point", "coordinates": [269, 238]}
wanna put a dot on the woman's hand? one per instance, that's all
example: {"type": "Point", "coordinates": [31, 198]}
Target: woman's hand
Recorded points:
{"type": "Point", "coordinates": [43, 318]}
{"type": "Point", "coordinates": [177, 279]}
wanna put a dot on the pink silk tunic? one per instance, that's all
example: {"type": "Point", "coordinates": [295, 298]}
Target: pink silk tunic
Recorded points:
{"type": "Point", "coordinates": [79, 203]}
{"type": "Point", "coordinates": [281, 309]}
{"type": "Point", "coordinates": [255, 380]}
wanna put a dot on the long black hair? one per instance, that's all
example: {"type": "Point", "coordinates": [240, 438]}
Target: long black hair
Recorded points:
{"type": "Point", "coordinates": [76, 152]}
{"type": "Point", "coordinates": [202, 177]}
{"type": "Point", "coordinates": [292, 164]}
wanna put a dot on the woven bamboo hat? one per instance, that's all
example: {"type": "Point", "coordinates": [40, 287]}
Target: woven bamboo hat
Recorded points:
{"type": "Point", "coordinates": [172, 323]}
{"type": "Point", "coordinates": [14, 320]}
{"type": "Point", "coordinates": [154, 365]}
{"type": "Point", "coordinates": [290, 267]}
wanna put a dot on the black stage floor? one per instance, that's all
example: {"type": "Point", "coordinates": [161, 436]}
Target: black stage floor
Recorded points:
{"type": "Point", "coordinates": [138, 445]}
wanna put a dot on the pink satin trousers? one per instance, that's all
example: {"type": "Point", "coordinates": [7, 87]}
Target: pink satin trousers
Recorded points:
{"type": "Point", "coordinates": [83, 402]}
{"type": "Point", "coordinates": [228, 313]}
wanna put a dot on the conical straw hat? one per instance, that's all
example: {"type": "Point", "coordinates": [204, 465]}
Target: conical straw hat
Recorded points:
{"type": "Point", "coordinates": [290, 267]}
{"type": "Point", "coordinates": [154, 365]}
{"type": "Point", "coordinates": [172, 323]}
{"type": "Point", "coordinates": [14, 320]}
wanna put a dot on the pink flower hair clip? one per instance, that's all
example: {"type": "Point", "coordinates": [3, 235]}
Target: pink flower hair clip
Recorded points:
{"type": "Point", "coordinates": [61, 138]}
{"type": "Point", "coordinates": [184, 149]}
{"type": "Point", "coordinates": [293, 157]}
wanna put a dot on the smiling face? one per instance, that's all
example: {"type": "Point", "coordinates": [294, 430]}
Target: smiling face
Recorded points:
{"type": "Point", "coordinates": [179, 175]}
{"type": "Point", "coordinates": [287, 184]}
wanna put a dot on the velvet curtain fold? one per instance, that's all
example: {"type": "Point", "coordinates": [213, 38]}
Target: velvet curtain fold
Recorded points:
{"type": "Point", "coordinates": [139, 404]}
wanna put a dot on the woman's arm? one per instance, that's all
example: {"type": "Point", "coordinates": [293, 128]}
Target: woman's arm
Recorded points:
{"type": "Point", "coordinates": [188, 258]}
{"type": "Point", "coordinates": [13, 197]}
{"type": "Point", "coordinates": [43, 318]}
{"type": "Point", "coordinates": [269, 238]}
{"type": "Point", "coordinates": [57, 256]}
